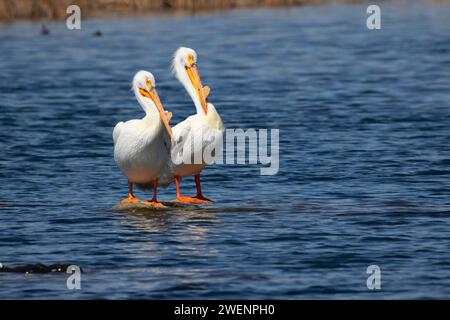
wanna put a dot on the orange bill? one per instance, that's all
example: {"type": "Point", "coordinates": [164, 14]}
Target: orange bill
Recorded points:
{"type": "Point", "coordinates": [162, 113]}
{"type": "Point", "coordinates": [195, 79]}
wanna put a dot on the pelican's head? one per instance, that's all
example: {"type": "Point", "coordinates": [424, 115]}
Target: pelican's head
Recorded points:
{"type": "Point", "coordinates": [144, 87]}
{"type": "Point", "coordinates": [185, 67]}
{"type": "Point", "coordinates": [186, 56]}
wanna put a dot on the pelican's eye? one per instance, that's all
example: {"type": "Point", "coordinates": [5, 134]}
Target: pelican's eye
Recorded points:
{"type": "Point", "coordinates": [190, 61]}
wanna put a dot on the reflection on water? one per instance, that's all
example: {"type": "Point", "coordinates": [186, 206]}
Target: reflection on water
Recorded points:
{"type": "Point", "coordinates": [364, 156]}
{"type": "Point", "coordinates": [160, 220]}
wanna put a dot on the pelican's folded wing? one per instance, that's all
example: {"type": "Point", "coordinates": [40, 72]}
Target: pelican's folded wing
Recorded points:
{"type": "Point", "coordinates": [181, 135]}
{"type": "Point", "coordinates": [116, 132]}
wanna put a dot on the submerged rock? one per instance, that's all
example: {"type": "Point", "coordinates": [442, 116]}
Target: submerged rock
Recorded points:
{"type": "Point", "coordinates": [143, 206]}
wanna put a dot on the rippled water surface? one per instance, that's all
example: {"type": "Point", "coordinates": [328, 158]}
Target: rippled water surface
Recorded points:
{"type": "Point", "coordinates": [364, 119]}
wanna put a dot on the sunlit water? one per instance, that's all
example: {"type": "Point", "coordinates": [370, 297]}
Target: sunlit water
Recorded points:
{"type": "Point", "coordinates": [364, 119]}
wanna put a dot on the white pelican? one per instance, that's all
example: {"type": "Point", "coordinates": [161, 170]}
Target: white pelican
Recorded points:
{"type": "Point", "coordinates": [142, 147]}
{"type": "Point", "coordinates": [204, 127]}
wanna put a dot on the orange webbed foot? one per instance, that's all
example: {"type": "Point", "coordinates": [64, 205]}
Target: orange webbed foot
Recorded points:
{"type": "Point", "coordinates": [130, 199]}
{"type": "Point", "coordinates": [202, 199]}
{"type": "Point", "coordinates": [185, 199]}
{"type": "Point", "coordinates": [198, 200]}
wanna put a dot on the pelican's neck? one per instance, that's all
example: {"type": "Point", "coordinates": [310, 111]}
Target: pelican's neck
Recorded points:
{"type": "Point", "coordinates": [182, 76]}
{"type": "Point", "coordinates": [149, 107]}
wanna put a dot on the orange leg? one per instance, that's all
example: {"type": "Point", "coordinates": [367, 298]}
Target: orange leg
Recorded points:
{"type": "Point", "coordinates": [197, 199]}
{"type": "Point", "coordinates": [131, 198]}
{"type": "Point", "coordinates": [154, 202]}
{"type": "Point", "coordinates": [199, 195]}
{"type": "Point", "coordinates": [181, 198]}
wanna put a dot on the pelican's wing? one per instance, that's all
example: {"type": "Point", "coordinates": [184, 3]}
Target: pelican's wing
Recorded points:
{"type": "Point", "coordinates": [181, 133]}
{"type": "Point", "coordinates": [116, 132]}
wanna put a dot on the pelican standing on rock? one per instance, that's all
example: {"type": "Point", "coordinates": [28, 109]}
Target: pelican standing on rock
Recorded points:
{"type": "Point", "coordinates": [205, 127]}
{"type": "Point", "coordinates": [142, 147]}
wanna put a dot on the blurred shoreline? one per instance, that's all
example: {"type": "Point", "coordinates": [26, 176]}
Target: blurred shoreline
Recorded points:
{"type": "Point", "coordinates": [11, 10]}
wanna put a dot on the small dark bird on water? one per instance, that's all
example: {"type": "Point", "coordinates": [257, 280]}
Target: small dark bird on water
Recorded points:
{"type": "Point", "coordinates": [44, 30]}
{"type": "Point", "coordinates": [97, 33]}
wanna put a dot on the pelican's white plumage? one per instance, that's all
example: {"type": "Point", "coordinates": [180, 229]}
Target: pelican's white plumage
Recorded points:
{"type": "Point", "coordinates": [205, 127]}
{"type": "Point", "coordinates": [142, 146]}
{"type": "Point", "coordinates": [206, 130]}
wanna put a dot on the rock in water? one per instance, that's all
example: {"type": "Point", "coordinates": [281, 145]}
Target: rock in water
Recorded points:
{"type": "Point", "coordinates": [37, 268]}
{"type": "Point", "coordinates": [7, 204]}
{"type": "Point", "coordinates": [138, 206]}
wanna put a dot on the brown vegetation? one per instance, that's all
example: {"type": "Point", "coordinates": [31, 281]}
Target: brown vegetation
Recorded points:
{"type": "Point", "coordinates": [53, 9]}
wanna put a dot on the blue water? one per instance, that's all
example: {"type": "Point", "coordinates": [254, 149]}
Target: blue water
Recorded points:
{"type": "Point", "coordinates": [364, 119]}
